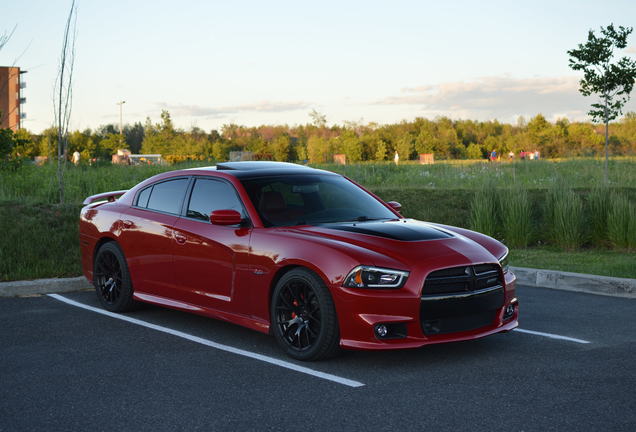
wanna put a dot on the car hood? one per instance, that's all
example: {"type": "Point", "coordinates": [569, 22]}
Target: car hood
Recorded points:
{"type": "Point", "coordinates": [409, 242]}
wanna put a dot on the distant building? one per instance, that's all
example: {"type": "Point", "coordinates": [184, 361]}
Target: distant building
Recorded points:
{"type": "Point", "coordinates": [11, 98]}
{"type": "Point", "coordinates": [340, 159]}
{"type": "Point", "coordinates": [146, 159]}
{"type": "Point", "coordinates": [237, 156]}
{"type": "Point", "coordinates": [122, 157]}
{"type": "Point", "coordinates": [427, 158]}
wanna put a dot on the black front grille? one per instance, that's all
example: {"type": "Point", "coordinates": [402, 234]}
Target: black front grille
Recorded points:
{"type": "Point", "coordinates": [456, 324]}
{"type": "Point", "coordinates": [461, 299]}
{"type": "Point", "coordinates": [462, 279]}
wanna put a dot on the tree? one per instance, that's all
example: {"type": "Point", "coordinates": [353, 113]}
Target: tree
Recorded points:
{"type": "Point", "coordinates": [134, 136]}
{"type": "Point", "coordinates": [7, 142]}
{"type": "Point", "coordinates": [425, 141]}
{"type": "Point", "coordinates": [159, 138]}
{"type": "Point", "coordinates": [404, 147]}
{"type": "Point", "coordinates": [13, 146]}
{"type": "Point", "coordinates": [318, 119]}
{"type": "Point", "coordinates": [612, 80]}
{"type": "Point", "coordinates": [380, 151]}
{"type": "Point", "coordinates": [25, 147]}
{"type": "Point", "coordinates": [109, 146]}
{"type": "Point", "coordinates": [63, 92]}
{"type": "Point", "coordinates": [473, 151]}
{"type": "Point", "coordinates": [281, 146]}
{"type": "Point", "coordinates": [221, 150]}
{"type": "Point", "coordinates": [82, 142]}
{"type": "Point", "coordinates": [317, 149]}
{"type": "Point", "coordinates": [351, 146]}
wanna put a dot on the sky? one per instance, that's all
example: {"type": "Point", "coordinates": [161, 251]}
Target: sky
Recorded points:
{"type": "Point", "coordinates": [211, 63]}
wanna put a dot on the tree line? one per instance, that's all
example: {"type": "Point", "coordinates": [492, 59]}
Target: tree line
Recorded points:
{"type": "Point", "coordinates": [317, 143]}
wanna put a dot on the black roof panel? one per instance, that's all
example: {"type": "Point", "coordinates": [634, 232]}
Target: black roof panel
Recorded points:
{"type": "Point", "coordinates": [250, 169]}
{"type": "Point", "coordinates": [254, 165]}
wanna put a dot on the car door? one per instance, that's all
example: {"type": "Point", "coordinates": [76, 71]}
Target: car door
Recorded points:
{"type": "Point", "coordinates": [147, 236]}
{"type": "Point", "coordinates": [206, 256]}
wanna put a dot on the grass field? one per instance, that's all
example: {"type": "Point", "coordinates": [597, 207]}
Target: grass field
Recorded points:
{"type": "Point", "coordinates": [40, 237]}
{"type": "Point", "coordinates": [39, 185]}
{"type": "Point", "coordinates": [599, 262]}
{"type": "Point", "coordinates": [542, 174]}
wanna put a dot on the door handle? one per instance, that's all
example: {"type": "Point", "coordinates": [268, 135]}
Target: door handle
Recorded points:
{"type": "Point", "coordinates": [180, 238]}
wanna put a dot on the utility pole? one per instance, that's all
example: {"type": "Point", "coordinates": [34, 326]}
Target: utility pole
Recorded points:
{"type": "Point", "coordinates": [121, 130]}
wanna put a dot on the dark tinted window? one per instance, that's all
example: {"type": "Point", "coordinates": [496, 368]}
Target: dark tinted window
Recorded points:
{"type": "Point", "coordinates": [210, 195]}
{"type": "Point", "coordinates": [142, 198]}
{"type": "Point", "coordinates": [312, 199]}
{"type": "Point", "coordinates": [167, 196]}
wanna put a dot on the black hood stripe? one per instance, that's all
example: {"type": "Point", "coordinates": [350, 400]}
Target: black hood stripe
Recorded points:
{"type": "Point", "coordinates": [395, 230]}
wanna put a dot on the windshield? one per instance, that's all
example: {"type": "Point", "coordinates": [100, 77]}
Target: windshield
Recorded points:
{"type": "Point", "coordinates": [311, 200]}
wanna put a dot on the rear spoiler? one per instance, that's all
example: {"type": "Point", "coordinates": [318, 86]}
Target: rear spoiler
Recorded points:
{"type": "Point", "coordinates": [106, 196]}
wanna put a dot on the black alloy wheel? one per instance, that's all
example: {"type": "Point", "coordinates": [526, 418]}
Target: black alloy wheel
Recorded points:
{"type": "Point", "coordinates": [111, 279]}
{"type": "Point", "coordinates": [303, 316]}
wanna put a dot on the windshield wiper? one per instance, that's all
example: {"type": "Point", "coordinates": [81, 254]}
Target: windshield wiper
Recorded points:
{"type": "Point", "coordinates": [364, 219]}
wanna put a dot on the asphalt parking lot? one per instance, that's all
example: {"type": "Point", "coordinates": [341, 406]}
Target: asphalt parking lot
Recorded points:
{"type": "Point", "coordinates": [65, 367]}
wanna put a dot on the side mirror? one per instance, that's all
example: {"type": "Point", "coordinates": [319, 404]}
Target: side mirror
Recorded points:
{"type": "Point", "coordinates": [225, 217]}
{"type": "Point", "coordinates": [395, 206]}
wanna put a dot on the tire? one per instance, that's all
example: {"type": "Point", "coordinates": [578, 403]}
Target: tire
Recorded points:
{"type": "Point", "coordinates": [303, 316]}
{"type": "Point", "coordinates": [111, 279]}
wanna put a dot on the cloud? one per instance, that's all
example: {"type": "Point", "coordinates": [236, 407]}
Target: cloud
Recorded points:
{"type": "Point", "coordinates": [631, 50]}
{"type": "Point", "coordinates": [500, 97]}
{"type": "Point", "coordinates": [218, 112]}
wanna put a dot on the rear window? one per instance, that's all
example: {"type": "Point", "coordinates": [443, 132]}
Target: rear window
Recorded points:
{"type": "Point", "coordinates": [167, 196]}
{"type": "Point", "coordinates": [142, 198]}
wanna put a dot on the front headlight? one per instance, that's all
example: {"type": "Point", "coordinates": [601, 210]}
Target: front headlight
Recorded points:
{"type": "Point", "coordinates": [503, 261]}
{"type": "Point", "coordinates": [375, 277]}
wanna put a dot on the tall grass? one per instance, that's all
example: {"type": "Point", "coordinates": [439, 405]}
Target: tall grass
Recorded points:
{"type": "Point", "coordinates": [475, 175]}
{"type": "Point", "coordinates": [39, 241]}
{"type": "Point", "coordinates": [621, 222]}
{"type": "Point", "coordinates": [565, 218]}
{"type": "Point", "coordinates": [515, 211]}
{"type": "Point", "coordinates": [597, 206]}
{"type": "Point", "coordinates": [483, 212]}
{"type": "Point", "coordinates": [40, 237]}
{"type": "Point", "coordinates": [38, 184]}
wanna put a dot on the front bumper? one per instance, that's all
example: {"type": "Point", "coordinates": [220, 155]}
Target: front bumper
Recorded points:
{"type": "Point", "coordinates": [360, 311]}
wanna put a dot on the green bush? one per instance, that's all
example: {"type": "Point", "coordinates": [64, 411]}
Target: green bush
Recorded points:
{"type": "Point", "coordinates": [39, 241]}
{"type": "Point", "coordinates": [621, 222]}
{"type": "Point", "coordinates": [516, 226]}
{"type": "Point", "coordinates": [597, 206]}
{"type": "Point", "coordinates": [565, 218]}
{"type": "Point", "coordinates": [483, 212]}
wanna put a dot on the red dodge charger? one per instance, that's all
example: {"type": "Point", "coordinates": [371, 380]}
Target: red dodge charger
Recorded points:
{"type": "Point", "coordinates": [305, 254]}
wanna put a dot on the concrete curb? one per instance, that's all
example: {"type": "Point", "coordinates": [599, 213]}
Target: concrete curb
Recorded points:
{"type": "Point", "coordinates": [578, 282]}
{"type": "Point", "coordinates": [566, 281]}
{"type": "Point", "coordinates": [43, 286]}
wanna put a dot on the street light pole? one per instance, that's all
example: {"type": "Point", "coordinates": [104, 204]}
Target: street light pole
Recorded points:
{"type": "Point", "coordinates": [121, 133]}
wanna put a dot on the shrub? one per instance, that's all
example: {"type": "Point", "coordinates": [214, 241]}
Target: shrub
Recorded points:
{"type": "Point", "coordinates": [598, 203]}
{"type": "Point", "coordinates": [565, 218]}
{"type": "Point", "coordinates": [483, 212]}
{"type": "Point", "coordinates": [516, 226]}
{"type": "Point", "coordinates": [621, 222]}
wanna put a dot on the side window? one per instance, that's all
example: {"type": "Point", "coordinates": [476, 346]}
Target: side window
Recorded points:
{"type": "Point", "coordinates": [209, 195]}
{"type": "Point", "coordinates": [167, 196]}
{"type": "Point", "coordinates": [142, 198]}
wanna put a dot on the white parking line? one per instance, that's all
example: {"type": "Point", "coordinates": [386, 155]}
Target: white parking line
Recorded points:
{"type": "Point", "coordinates": [212, 344]}
{"type": "Point", "coordinates": [553, 336]}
